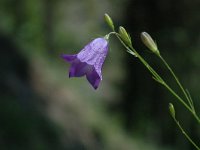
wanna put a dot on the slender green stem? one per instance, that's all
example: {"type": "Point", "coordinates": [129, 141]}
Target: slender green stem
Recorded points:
{"type": "Point", "coordinates": [166, 85]}
{"type": "Point", "coordinates": [185, 134]}
{"type": "Point", "coordinates": [183, 102]}
{"type": "Point", "coordinates": [177, 80]}
{"type": "Point", "coordinates": [107, 36]}
{"type": "Point", "coordinates": [118, 36]}
{"type": "Point", "coordinates": [191, 108]}
{"type": "Point", "coordinates": [191, 101]}
{"type": "Point", "coordinates": [157, 77]}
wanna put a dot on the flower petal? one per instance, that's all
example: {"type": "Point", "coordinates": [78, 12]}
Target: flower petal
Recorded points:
{"type": "Point", "coordinates": [93, 51]}
{"type": "Point", "coordinates": [69, 58]}
{"type": "Point", "coordinates": [79, 69]}
{"type": "Point", "coordinates": [93, 78]}
{"type": "Point", "coordinates": [89, 61]}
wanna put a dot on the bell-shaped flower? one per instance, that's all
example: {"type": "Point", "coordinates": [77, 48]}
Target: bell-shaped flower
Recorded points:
{"type": "Point", "coordinates": [89, 61]}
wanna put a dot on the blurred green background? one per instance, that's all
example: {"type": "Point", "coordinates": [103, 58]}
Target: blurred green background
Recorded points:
{"type": "Point", "coordinates": [42, 109]}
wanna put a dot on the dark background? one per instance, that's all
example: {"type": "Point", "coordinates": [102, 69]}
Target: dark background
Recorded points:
{"type": "Point", "coordinates": [42, 109]}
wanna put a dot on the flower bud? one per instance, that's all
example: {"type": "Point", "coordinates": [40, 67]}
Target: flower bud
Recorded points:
{"type": "Point", "coordinates": [109, 21]}
{"type": "Point", "coordinates": [149, 42]}
{"type": "Point", "coordinates": [172, 110]}
{"type": "Point", "coordinates": [125, 36]}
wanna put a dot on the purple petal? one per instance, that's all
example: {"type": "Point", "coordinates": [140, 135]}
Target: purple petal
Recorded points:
{"type": "Point", "coordinates": [94, 54]}
{"type": "Point", "coordinates": [93, 78]}
{"type": "Point", "coordinates": [79, 69]}
{"type": "Point", "coordinates": [69, 58]}
{"type": "Point", "coordinates": [89, 61]}
{"type": "Point", "coordinates": [93, 51]}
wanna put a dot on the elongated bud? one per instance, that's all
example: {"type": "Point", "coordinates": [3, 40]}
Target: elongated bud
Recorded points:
{"type": "Point", "coordinates": [172, 110]}
{"type": "Point", "coordinates": [125, 36]}
{"type": "Point", "coordinates": [109, 21]}
{"type": "Point", "coordinates": [149, 42]}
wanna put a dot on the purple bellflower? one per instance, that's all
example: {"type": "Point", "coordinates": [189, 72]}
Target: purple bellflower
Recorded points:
{"type": "Point", "coordinates": [89, 61]}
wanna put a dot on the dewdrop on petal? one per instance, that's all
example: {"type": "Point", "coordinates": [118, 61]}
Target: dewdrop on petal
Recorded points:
{"type": "Point", "coordinates": [149, 42]}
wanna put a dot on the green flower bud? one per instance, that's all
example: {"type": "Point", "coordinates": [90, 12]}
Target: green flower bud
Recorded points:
{"type": "Point", "coordinates": [125, 36]}
{"type": "Point", "coordinates": [149, 42]}
{"type": "Point", "coordinates": [109, 21]}
{"type": "Point", "coordinates": [172, 110]}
